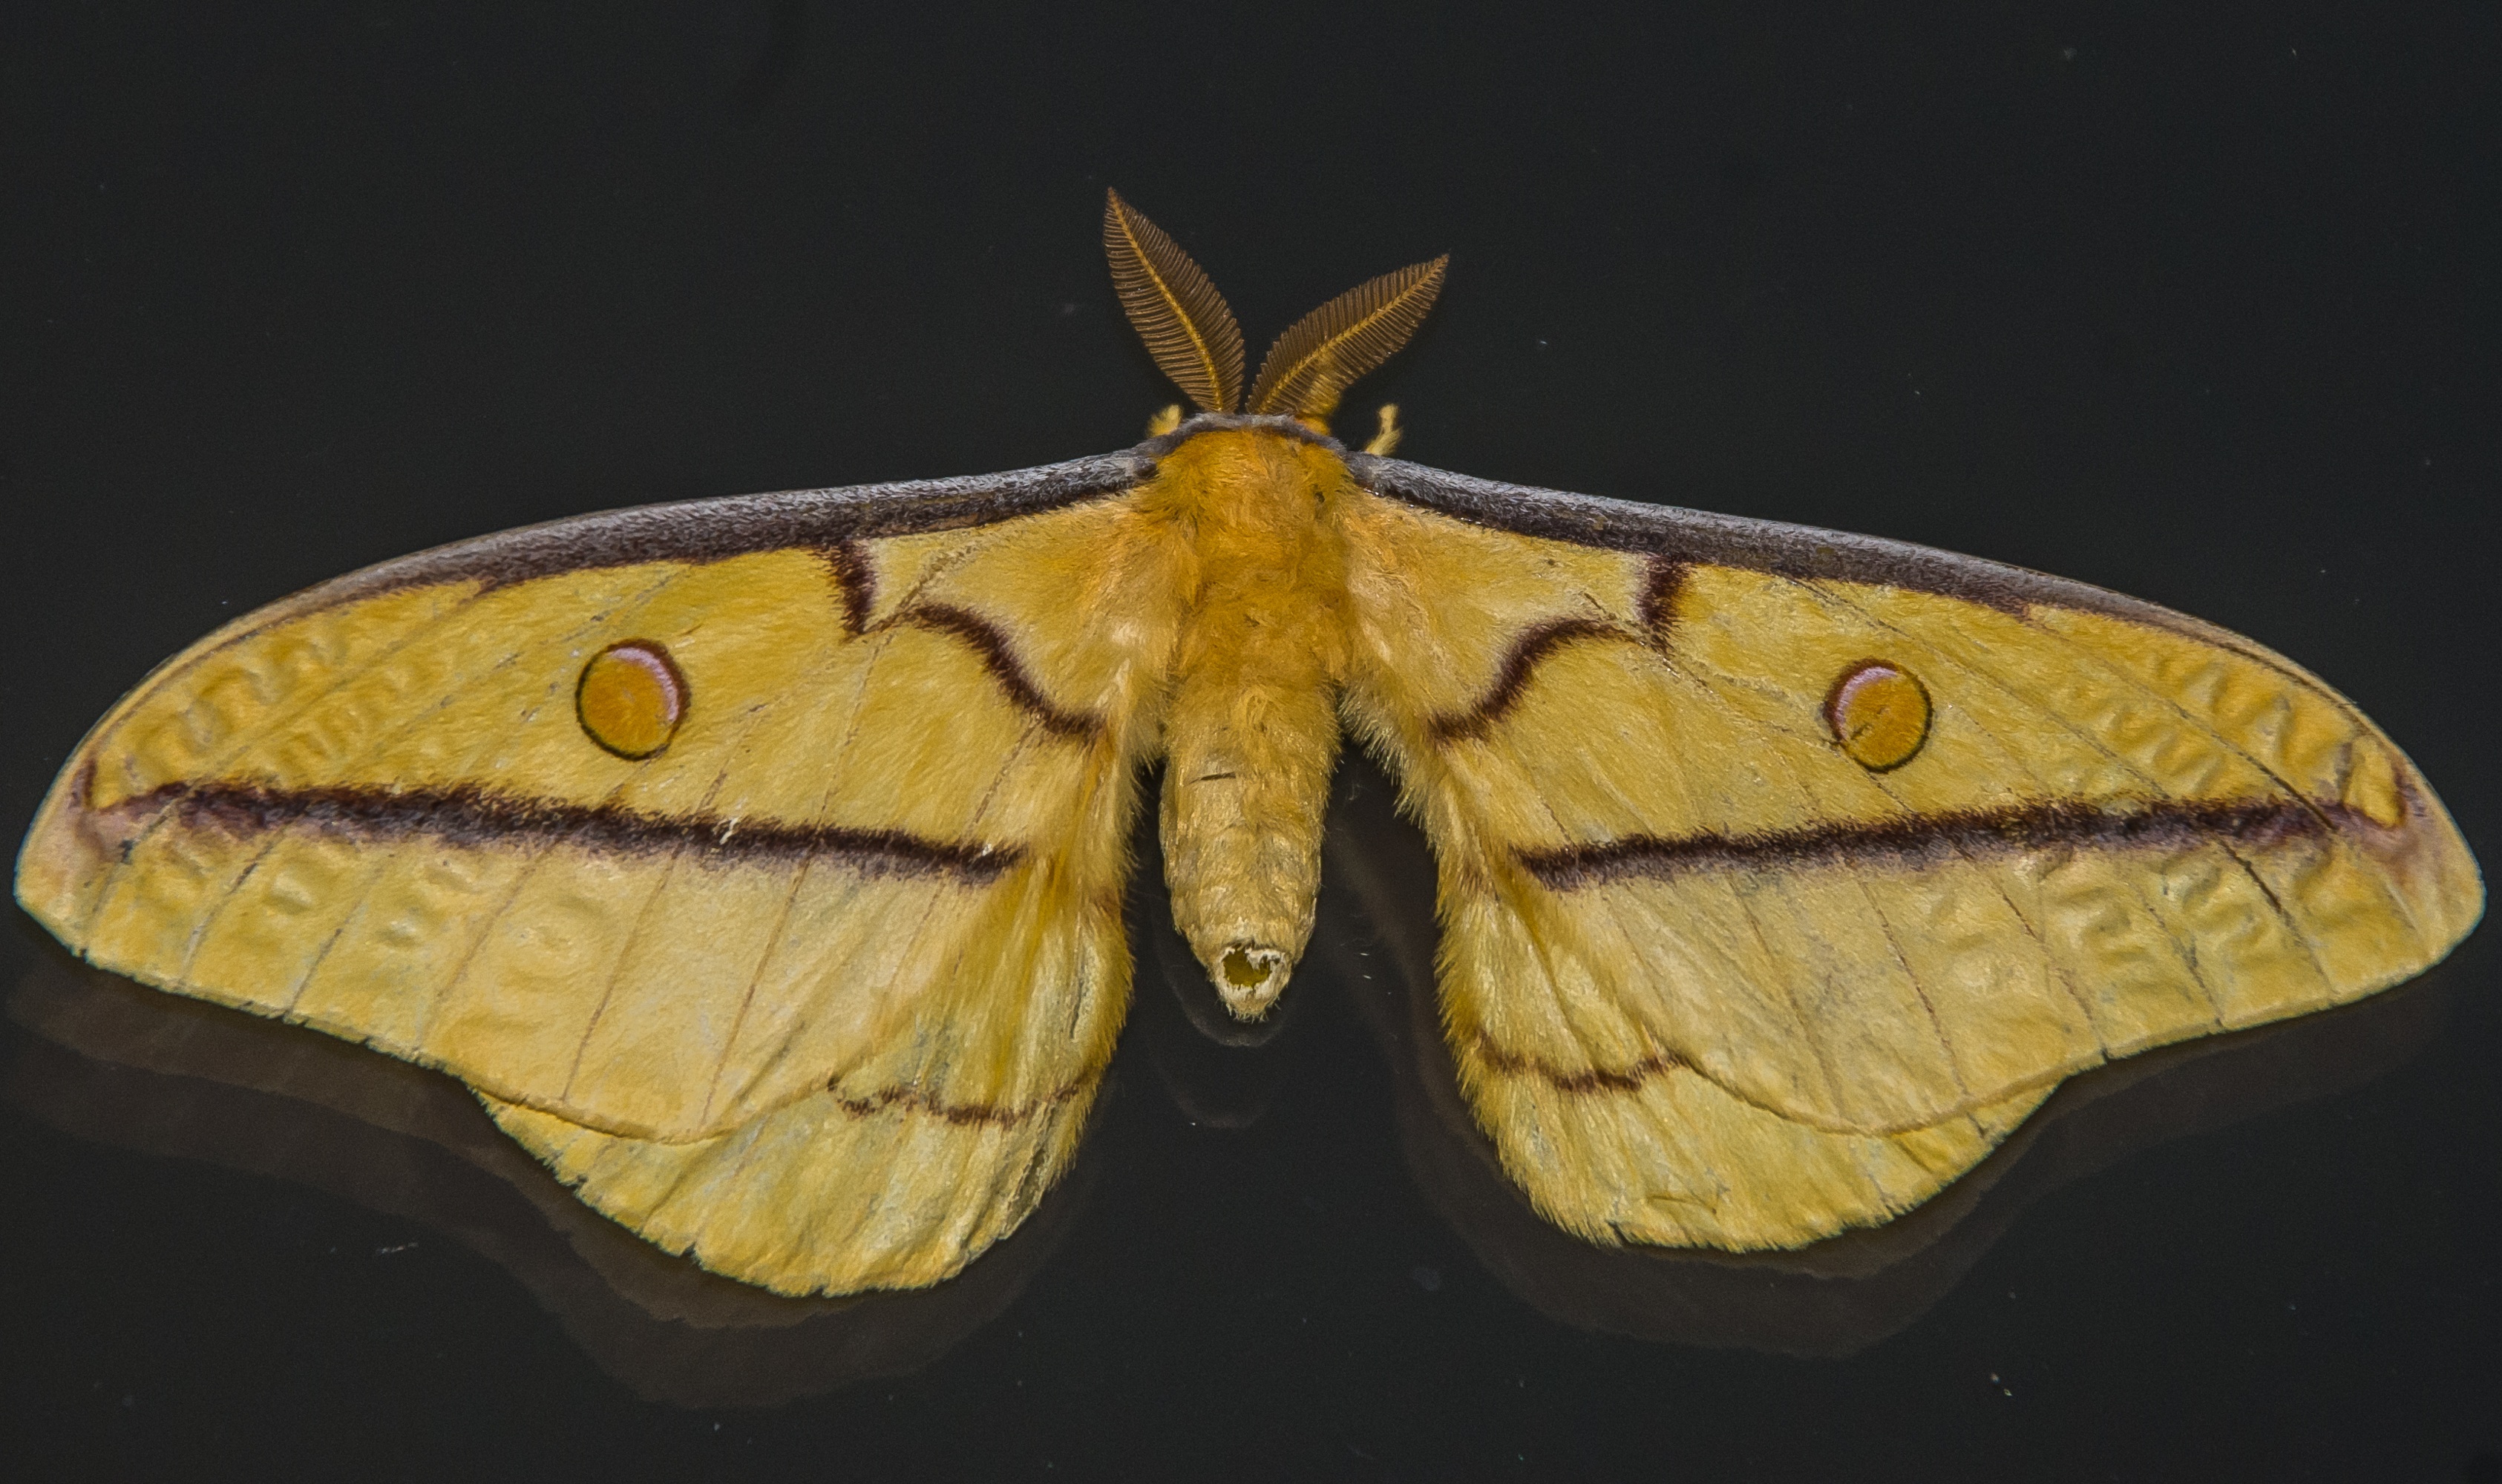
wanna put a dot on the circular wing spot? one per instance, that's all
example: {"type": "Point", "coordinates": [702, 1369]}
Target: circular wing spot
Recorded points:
{"type": "Point", "coordinates": [1880, 714]}
{"type": "Point", "coordinates": [631, 698]}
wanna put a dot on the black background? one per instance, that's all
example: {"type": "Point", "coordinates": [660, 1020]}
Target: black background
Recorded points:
{"type": "Point", "coordinates": [2198, 305]}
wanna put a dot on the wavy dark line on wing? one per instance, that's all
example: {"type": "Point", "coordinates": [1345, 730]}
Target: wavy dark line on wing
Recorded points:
{"type": "Point", "coordinates": [1663, 579]}
{"type": "Point", "coordinates": [930, 1105]}
{"type": "Point", "coordinates": [1504, 1062]}
{"type": "Point", "coordinates": [855, 578]}
{"type": "Point", "coordinates": [1528, 651]}
{"type": "Point", "coordinates": [1663, 582]}
{"type": "Point", "coordinates": [1001, 659]}
{"type": "Point", "coordinates": [1917, 838]}
{"type": "Point", "coordinates": [471, 816]}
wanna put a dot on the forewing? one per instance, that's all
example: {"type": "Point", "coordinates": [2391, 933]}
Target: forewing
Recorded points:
{"type": "Point", "coordinates": [1705, 972]}
{"type": "Point", "coordinates": [880, 861]}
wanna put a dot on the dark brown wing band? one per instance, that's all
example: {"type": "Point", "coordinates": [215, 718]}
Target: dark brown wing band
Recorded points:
{"type": "Point", "coordinates": [1913, 839]}
{"type": "Point", "coordinates": [468, 815]}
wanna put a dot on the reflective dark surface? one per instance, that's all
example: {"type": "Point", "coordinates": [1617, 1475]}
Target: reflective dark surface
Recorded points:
{"type": "Point", "coordinates": [2201, 309]}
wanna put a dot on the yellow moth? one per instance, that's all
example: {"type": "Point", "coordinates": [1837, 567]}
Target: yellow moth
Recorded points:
{"type": "Point", "coordinates": [759, 861]}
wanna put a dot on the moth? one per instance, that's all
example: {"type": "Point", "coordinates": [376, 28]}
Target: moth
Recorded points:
{"type": "Point", "coordinates": [759, 862]}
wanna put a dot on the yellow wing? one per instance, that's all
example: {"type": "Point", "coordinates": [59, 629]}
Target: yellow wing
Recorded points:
{"type": "Point", "coordinates": [813, 974]}
{"type": "Point", "coordinates": [1783, 871]}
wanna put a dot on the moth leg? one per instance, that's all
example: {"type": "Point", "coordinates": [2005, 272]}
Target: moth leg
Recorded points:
{"type": "Point", "coordinates": [1386, 441]}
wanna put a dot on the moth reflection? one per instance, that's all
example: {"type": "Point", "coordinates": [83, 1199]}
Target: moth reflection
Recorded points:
{"type": "Point", "coordinates": [1375, 941]}
{"type": "Point", "coordinates": [107, 1061]}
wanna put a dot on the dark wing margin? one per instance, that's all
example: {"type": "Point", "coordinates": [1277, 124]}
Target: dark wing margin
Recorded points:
{"type": "Point", "coordinates": [714, 530]}
{"type": "Point", "coordinates": [1804, 552]}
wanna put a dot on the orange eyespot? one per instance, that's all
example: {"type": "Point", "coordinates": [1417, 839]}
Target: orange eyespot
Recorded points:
{"type": "Point", "coordinates": [631, 698]}
{"type": "Point", "coordinates": [1878, 712]}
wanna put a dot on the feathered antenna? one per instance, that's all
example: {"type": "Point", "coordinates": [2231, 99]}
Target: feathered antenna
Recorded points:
{"type": "Point", "coordinates": [1176, 310]}
{"type": "Point", "coordinates": [1312, 363]}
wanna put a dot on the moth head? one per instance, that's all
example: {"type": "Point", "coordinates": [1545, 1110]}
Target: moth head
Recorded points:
{"type": "Point", "coordinates": [1193, 338]}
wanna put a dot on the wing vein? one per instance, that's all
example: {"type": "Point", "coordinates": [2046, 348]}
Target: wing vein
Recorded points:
{"type": "Point", "coordinates": [799, 873]}
{"type": "Point", "coordinates": [1813, 1039]}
